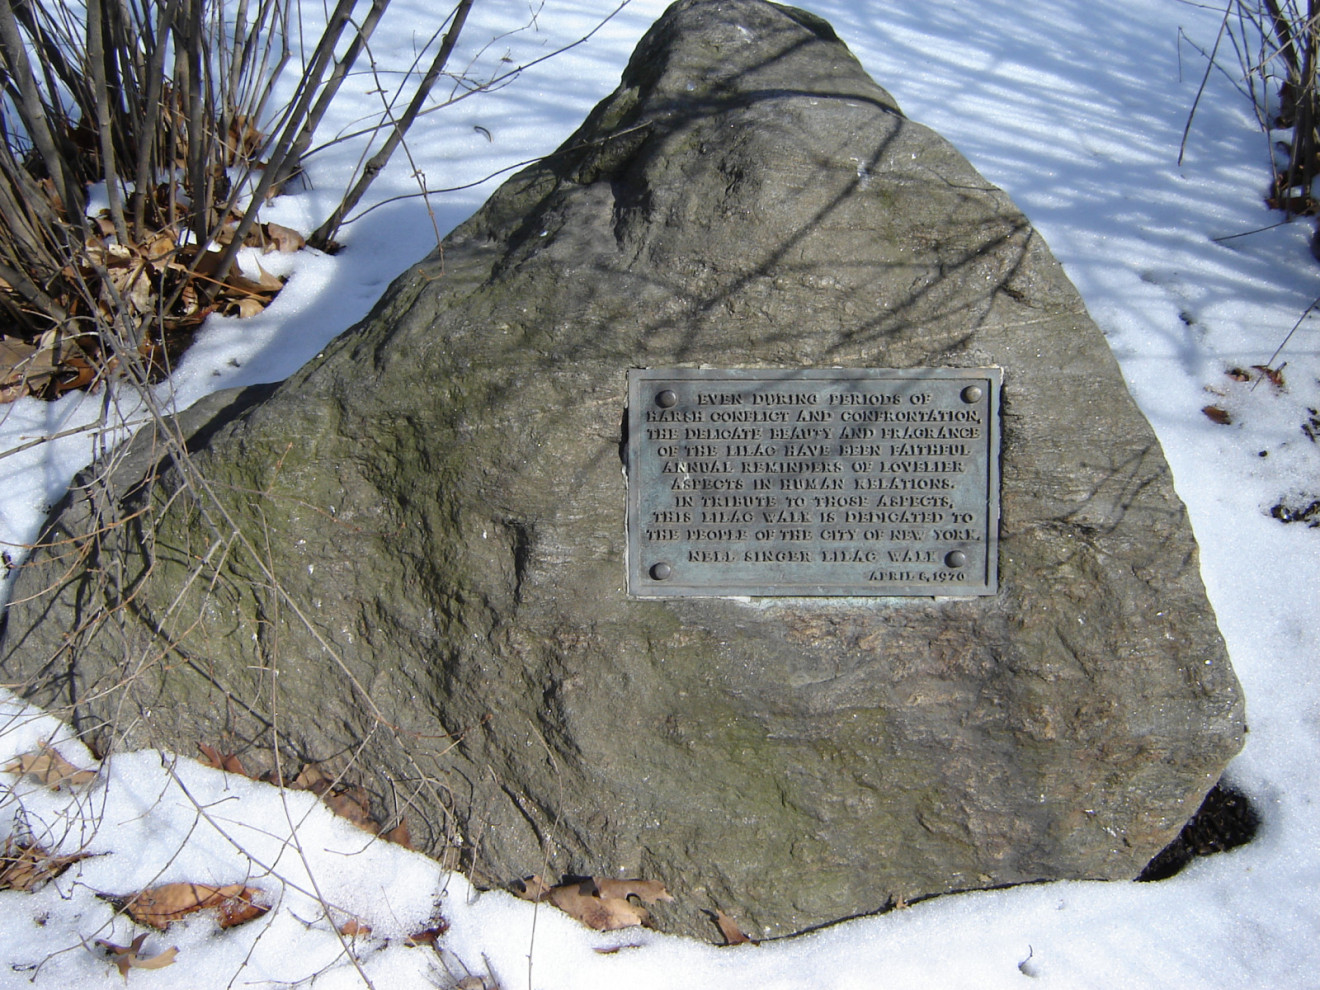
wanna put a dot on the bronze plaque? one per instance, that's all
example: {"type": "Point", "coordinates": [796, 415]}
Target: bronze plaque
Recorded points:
{"type": "Point", "coordinates": [842, 481]}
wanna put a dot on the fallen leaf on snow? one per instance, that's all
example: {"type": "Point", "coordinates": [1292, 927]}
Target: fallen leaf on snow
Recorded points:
{"type": "Point", "coordinates": [649, 891]}
{"type": "Point", "coordinates": [127, 957]}
{"type": "Point", "coordinates": [247, 307]}
{"type": "Point", "coordinates": [158, 906]}
{"type": "Point", "coordinates": [15, 356]}
{"type": "Point", "coordinates": [348, 801]}
{"type": "Point", "coordinates": [399, 835]}
{"type": "Point", "coordinates": [532, 888]}
{"type": "Point", "coordinates": [286, 240]}
{"type": "Point", "coordinates": [600, 913]}
{"type": "Point", "coordinates": [731, 930]}
{"type": "Point", "coordinates": [351, 803]}
{"type": "Point", "coordinates": [265, 284]}
{"type": "Point", "coordinates": [1275, 375]}
{"type": "Point", "coordinates": [603, 904]}
{"type": "Point", "coordinates": [354, 926]}
{"type": "Point", "coordinates": [227, 762]}
{"type": "Point", "coordinates": [25, 367]}
{"type": "Point", "coordinates": [50, 768]}
{"type": "Point", "coordinates": [428, 936]}
{"type": "Point", "coordinates": [26, 866]}
{"type": "Point", "coordinates": [1218, 415]}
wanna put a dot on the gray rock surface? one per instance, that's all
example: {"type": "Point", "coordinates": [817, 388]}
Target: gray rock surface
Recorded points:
{"type": "Point", "coordinates": [408, 560]}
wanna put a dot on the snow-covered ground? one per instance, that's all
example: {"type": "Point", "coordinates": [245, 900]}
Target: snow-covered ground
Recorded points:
{"type": "Point", "coordinates": [1077, 108]}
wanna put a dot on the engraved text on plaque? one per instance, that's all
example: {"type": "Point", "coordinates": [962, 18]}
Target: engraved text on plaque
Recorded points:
{"type": "Point", "coordinates": [815, 482]}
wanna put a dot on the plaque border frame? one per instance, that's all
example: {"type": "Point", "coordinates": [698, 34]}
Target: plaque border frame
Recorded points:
{"type": "Point", "coordinates": [641, 587]}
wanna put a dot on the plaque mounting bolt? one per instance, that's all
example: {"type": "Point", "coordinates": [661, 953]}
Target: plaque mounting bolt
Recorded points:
{"type": "Point", "coordinates": [661, 571]}
{"type": "Point", "coordinates": [955, 558]}
{"type": "Point", "coordinates": [666, 399]}
{"type": "Point", "coordinates": [972, 393]}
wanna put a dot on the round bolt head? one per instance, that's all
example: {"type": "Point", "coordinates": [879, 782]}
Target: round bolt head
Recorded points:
{"type": "Point", "coordinates": [666, 399]}
{"type": "Point", "coordinates": [661, 571]}
{"type": "Point", "coordinates": [955, 558]}
{"type": "Point", "coordinates": [972, 393]}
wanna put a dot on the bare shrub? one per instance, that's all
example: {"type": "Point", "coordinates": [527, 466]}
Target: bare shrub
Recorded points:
{"type": "Point", "coordinates": [163, 111]}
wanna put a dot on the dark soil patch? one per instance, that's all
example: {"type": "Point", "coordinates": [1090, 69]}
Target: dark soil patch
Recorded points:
{"type": "Point", "coordinates": [1226, 819]}
{"type": "Point", "coordinates": [1308, 513]}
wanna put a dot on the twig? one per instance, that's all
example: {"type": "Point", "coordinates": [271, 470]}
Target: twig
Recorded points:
{"type": "Point", "coordinates": [325, 233]}
{"type": "Point", "coordinates": [1200, 90]}
{"type": "Point", "coordinates": [1284, 343]}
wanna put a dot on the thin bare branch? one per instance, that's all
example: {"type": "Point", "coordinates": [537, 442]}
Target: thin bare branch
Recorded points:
{"type": "Point", "coordinates": [96, 60]}
{"type": "Point", "coordinates": [1200, 90]}
{"type": "Point", "coordinates": [293, 161]}
{"type": "Point", "coordinates": [36, 116]}
{"type": "Point", "coordinates": [326, 232]}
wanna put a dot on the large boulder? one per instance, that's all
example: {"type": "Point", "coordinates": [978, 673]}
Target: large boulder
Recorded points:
{"type": "Point", "coordinates": [408, 561]}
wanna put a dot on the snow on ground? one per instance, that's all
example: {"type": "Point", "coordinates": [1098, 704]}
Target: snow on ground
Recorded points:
{"type": "Point", "coordinates": [1077, 108]}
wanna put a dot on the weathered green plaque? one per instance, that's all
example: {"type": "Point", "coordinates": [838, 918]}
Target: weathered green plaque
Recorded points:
{"type": "Point", "coordinates": [841, 481]}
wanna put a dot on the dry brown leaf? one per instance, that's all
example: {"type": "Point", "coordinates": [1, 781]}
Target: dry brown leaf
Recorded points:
{"type": "Point", "coordinates": [283, 239]}
{"type": "Point", "coordinates": [77, 370]}
{"type": "Point", "coordinates": [247, 296]}
{"type": "Point", "coordinates": [265, 284]}
{"type": "Point", "coordinates": [130, 279]}
{"type": "Point", "coordinates": [399, 835]}
{"type": "Point", "coordinates": [601, 903]}
{"type": "Point", "coordinates": [26, 866]}
{"type": "Point", "coordinates": [268, 283]}
{"type": "Point", "coordinates": [532, 888]}
{"type": "Point", "coordinates": [244, 139]}
{"type": "Point", "coordinates": [50, 768]}
{"type": "Point", "coordinates": [1275, 375]}
{"type": "Point", "coordinates": [104, 224]}
{"type": "Point", "coordinates": [351, 803]}
{"type": "Point", "coordinates": [1218, 415]}
{"type": "Point", "coordinates": [346, 800]}
{"type": "Point", "coordinates": [428, 936]}
{"type": "Point", "coordinates": [188, 300]}
{"type": "Point", "coordinates": [353, 927]}
{"type": "Point", "coordinates": [158, 906]}
{"type": "Point", "coordinates": [26, 368]}
{"type": "Point", "coordinates": [49, 194]}
{"type": "Point", "coordinates": [246, 307]}
{"type": "Point", "coordinates": [604, 914]}
{"type": "Point", "coordinates": [732, 931]}
{"type": "Point", "coordinates": [208, 263]}
{"type": "Point", "coordinates": [13, 350]}
{"type": "Point", "coordinates": [311, 778]}
{"type": "Point", "coordinates": [241, 907]}
{"type": "Point", "coordinates": [15, 356]}
{"type": "Point", "coordinates": [161, 249]}
{"type": "Point", "coordinates": [227, 762]}
{"type": "Point", "coordinates": [121, 255]}
{"type": "Point", "coordinates": [649, 891]}
{"type": "Point", "coordinates": [159, 961]}
{"type": "Point", "coordinates": [127, 957]}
